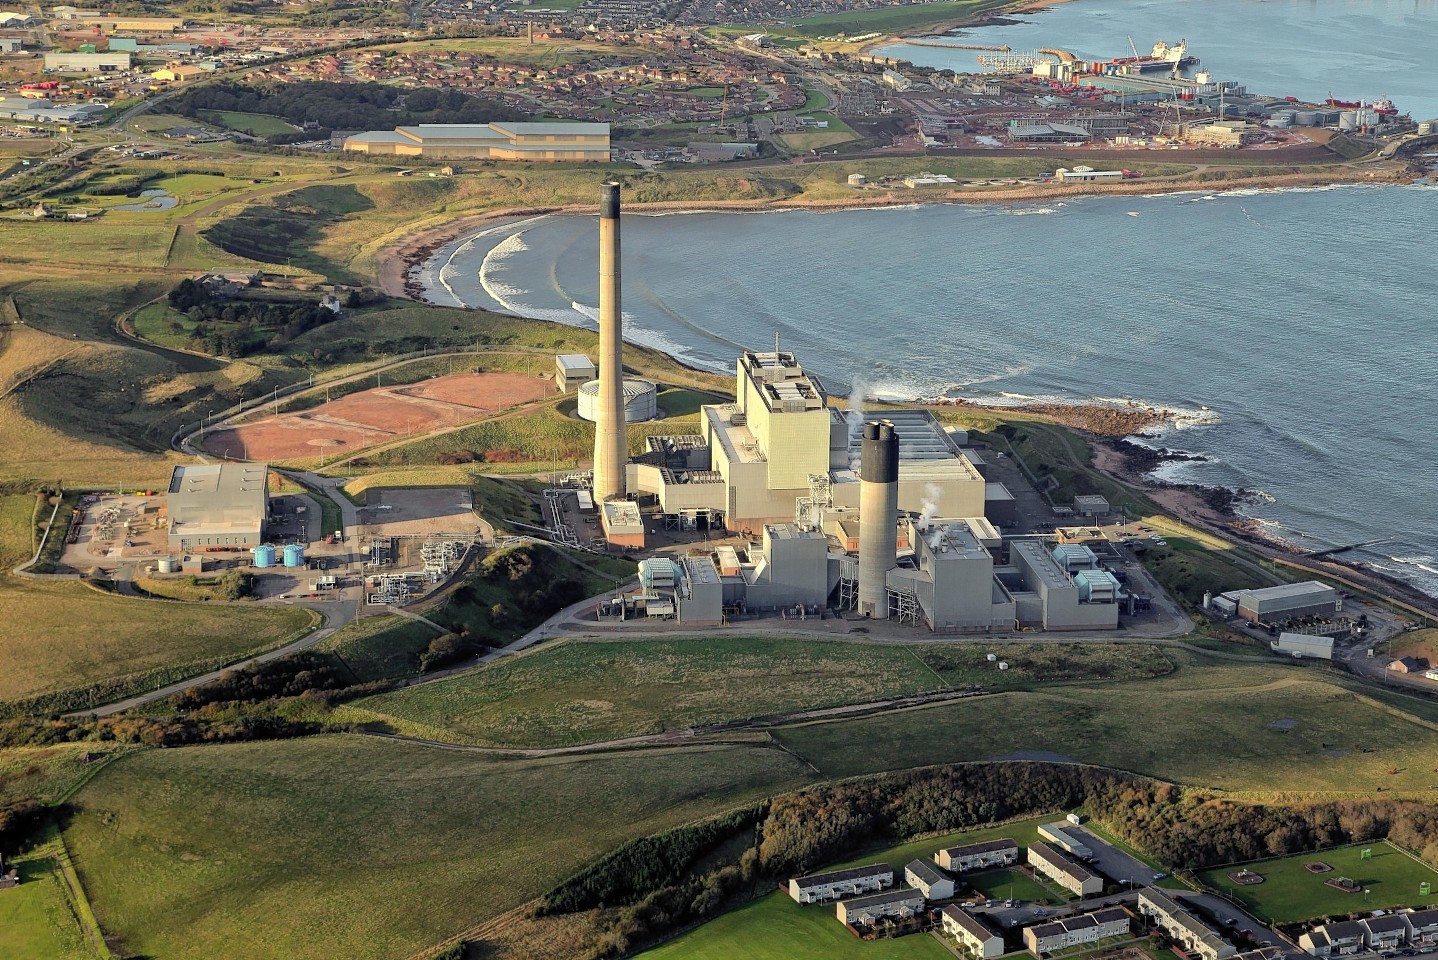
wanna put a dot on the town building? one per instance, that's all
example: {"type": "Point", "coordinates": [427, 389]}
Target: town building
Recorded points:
{"type": "Point", "coordinates": [572, 370]}
{"type": "Point", "coordinates": [978, 856]}
{"type": "Point", "coordinates": [217, 505]}
{"type": "Point", "coordinates": [1272, 604]}
{"type": "Point", "coordinates": [978, 940]}
{"type": "Point", "coordinates": [1415, 928]}
{"type": "Point", "coordinates": [929, 880]}
{"type": "Point", "coordinates": [1061, 835]}
{"type": "Point", "coordinates": [546, 142]}
{"type": "Point", "coordinates": [1334, 939]}
{"type": "Point", "coordinates": [867, 910]}
{"type": "Point", "coordinates": [823, 887]}
{"type": "Point", "coordinates": [1076, 931]}
{"type": "Point", "coordinates": [1193, 935]}
{"type": "Point", "coordinates": [1408, 665]}
{"type": "Point", "coordinates": [1064, 870]}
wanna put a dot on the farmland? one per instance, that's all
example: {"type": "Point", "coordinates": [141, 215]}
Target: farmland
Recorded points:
{"type": "Point", "coordinates": [371, 849]}
{"type": "Point", "coordinates": [586, 691]}
{"type": "Point", "coordinates": [1289, 892]}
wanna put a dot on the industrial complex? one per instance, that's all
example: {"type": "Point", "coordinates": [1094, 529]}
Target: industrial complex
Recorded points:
{"type": "Point", "coordinates": [550, 142]}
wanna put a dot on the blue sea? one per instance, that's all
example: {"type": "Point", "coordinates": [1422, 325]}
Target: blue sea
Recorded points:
{"type": "Point", "coordinates": [1294, 330]}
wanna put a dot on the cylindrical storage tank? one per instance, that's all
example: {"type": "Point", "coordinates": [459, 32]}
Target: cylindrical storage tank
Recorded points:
{"type": "Point", "coordinates": [641, 400]}
{"type": "Point", "coordinates": [878, 512]}
{"type": "Point", "coordinates": [294, 555]}
{"type": "Point", "coordinates": [1305, 118]}
{"type": "Point", "coordinates": [1426, 127]}
{"type": "Point", "coordinates": [264, 555]}
{"type": "Point", "coordinates": [1283, 118]}
{"type": "Point", "coordinates": [857, 179]}
{"type": "Point", "coordinates": [1348, 120]}
{"type": "Point", "coordinates": [167, 565]}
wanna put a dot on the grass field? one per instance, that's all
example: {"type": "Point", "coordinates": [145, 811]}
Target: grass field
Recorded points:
{"type": "Point", "coordinates": [1290, 893]}
{"type": "Point", "coordinates": [380, 648]}
{"type": "Point", "coordinates": [581, 692]}
{"type": "Point", "coordinates": [891, 20]}
{"type": "Point", "coordinates": [370, 849]}
{"type": "Point", "coordinates": [255, 124]}
{"type": "Point", "coordinates": [1011, 885]}
{"type": "Point", "coordinates": [1218, 726]}
{"type": "Point", "coordinates": [36, 922]}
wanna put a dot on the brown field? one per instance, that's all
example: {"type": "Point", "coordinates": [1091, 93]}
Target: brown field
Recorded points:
{"type": "Point", "coordinates": [374, 416]}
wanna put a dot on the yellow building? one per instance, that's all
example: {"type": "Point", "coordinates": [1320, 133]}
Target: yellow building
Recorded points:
{"type": "Point", "coordinates": [546, 142]}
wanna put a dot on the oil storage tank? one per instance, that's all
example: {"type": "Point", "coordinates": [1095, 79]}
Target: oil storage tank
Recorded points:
{"type": "Point", "coordinates": [294, 555]}
{"type": "Point", "coordinates": [264, 555]}
{"type": "Point", "coordinates": [641, 400]}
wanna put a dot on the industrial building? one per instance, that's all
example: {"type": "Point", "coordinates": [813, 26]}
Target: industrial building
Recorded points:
{"type": "Point", "coordinates": [44, 111]}
{"type": "Point", "coordinates": [1076, 931]}
{"type": "Point", "coordinates": [976, 939]}
{"type": "Point", "coordinates": [549, 142]}
{"type": "Point", "coordinates": [1192, 934]}
{"type": "Point", "coordinates": [823, 887]}
{"type": "Point", "coordinates": [1303, 645]}
{"type": "Point", "coordinates": [218, 505]}
{"type": "Point", "coordinates": [1064, 870]}
{"type": "Point", "coordinates": [86, 62]}
{"type": "Point", "coordinates": [1061, 836]}
{"type": "Point", "coordinates": [929, 880]}
{"type": "Point", "coordinates": [978, 856]}
{"type": "Point", "coordinates": [866, 911]}
{"type": "Point", "coordinates": [641, 400]}
{"type": "Point", "coordinates": [573, 370]}
{"type": "Point", "coordinates": [1273, 604]}
{"type": "Point", "coordinates": [132, 24]}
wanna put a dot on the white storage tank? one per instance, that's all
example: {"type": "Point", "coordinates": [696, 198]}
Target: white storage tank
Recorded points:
{"type": "Point", "coordinates": [857, 179]}
{"type": "Point", "coordinates": [1348, 120]}
{"type": "Point", "coordinates": [641, 400]}
{"type": "Point", "coordinates": [167, 565]}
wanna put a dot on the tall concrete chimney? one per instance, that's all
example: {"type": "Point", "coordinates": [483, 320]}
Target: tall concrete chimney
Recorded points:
{"type": "Point", "coordinates": [878, 512]}
{"type": "Point", "coordinates": [611, 446]}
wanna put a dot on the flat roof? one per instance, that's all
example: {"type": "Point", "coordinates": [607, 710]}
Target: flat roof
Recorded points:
{"type": "Point", "coordinates": [622, 517]}
{"type": "Point", "coordinates": [921, 437]}
{"type": "Point", "coordinates": [949, 540]}
{"type": "Point", "coordinates": [574, 361]}
{"type": "Point", "coordinates": [1042, 564]}
{"type": "Point", "coordinates": [552, 129]}
{"type": "Point", "coordinates": [1287, 591]}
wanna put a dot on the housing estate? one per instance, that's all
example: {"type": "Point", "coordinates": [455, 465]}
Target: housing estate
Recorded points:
{"type": "Point", "coordinates": [971, 933]}
{"type": "Point", "coordinates": [1064, 870]}
{"type": "Point", "coordinates": [841, 883]}
{"type": "Point", "coordinates": [1075, 931]}
{"type": "Point", "coordinates": [978, 856]}
{"type": "Point", "coordinates": [1192, 934]}
{"type": "Point", "coordinates": [1416, 928]}
{"type": "Point", "coordinates": [929, 880]}
{"type": "Point", "coordinates": [868, 910]}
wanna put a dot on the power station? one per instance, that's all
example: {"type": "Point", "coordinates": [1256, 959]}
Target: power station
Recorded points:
{"type": "Point", "coordinates": [886, 517]}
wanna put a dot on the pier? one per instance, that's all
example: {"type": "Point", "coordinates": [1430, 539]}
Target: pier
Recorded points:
{"type": "Point", "coordinates": [956, 46]}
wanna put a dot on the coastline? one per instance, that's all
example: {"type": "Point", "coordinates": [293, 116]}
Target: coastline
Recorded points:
{"type": "Point", "coordinates": [399, 258]}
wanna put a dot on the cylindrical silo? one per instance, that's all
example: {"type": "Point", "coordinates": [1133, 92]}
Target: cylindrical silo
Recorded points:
{"type": "Point", "coordinates": [167, 565]}
{"type": "Point", "coordinates": [641, 400]}
{"type": "Point", "coordinates": [294, 555]}
{"type": "Point", "coordinates": [264, 555]}
{"type": "Point", "coordinates": [878, 511]}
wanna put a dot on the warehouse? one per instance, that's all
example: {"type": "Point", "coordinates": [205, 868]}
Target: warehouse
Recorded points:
{"type": "Point", "coordinates": [822, 887]}
{"type": "Point", "coordinates": [929, 880]}
{"type": "Point", "coordinates": [976, 939]}
{"type": "Point", "coordinates": [86, 62]}
{"type": "Point", "coordinates": [573, 370]}
{"type": "Point", "coordinates": [1076, 931]}
{"type": "Point", "coordinates": [549, 142]}
{"type": "Point", "coordinates": [1274, 604]}
{"type": "Point", "coordinates": [1046, 596]}
{"type": "Point", "coordinates": [218, 505]}
{"type": "Point", "coordinates": [978, 856]}
{"type": "Point", "coordinates": [866, 911]}
{"type": "Point", "coordinates": [43, 111]}
{"type": "Point", "coordinates": [1303, 645]}
{"type": "Point", "coordinates": [1185, 929]}
{"type": "Point", "coordinates": [1063, 870]}
{"type": "Point", "coordinates": [1066, 839]}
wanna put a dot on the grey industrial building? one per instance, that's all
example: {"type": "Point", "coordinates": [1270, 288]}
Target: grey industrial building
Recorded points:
{"type": "Point", "coordinates": [218, 505]}
{"type": "Point", "coordinates": [978, 940]}
{"type": "Point", "coordinates": [1192, 934]}
{"type": "Point", "coordinates": [573, 370]}
{"type": "Point", "coordinates": [1064, 870]}
{"type": "Point", "coordinates": [1076, 931]}
{"type": "Point", "coordinates": [1272, 604]}
{"type": "Point", "coordinates": [1061, 836]}
{"type": "Point", "coordinates": [1303, 645]}
{"type": "Point", "coordinates": [978, 856]}
{"type": "Point", "coordinates": [86, 62]}
{"type": "Point", "coordinates": [879, 906]}
{"type": "Point", "coordinates": [822, 887]}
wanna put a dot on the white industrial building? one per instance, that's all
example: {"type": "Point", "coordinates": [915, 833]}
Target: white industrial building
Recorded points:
{"type": "Point", "coordinates": [1064, 870]}
{"type": "Point", "coordinates": [573, 370]}
{"type": "Point", "coordinates": [1076, 931]}
{"type": "Point", "coordinates": [1066, 839]}
{"type": "Point", "coordinates": [86, 62]}
{"type": "Point", "coordinates": [25, 110]}
{"type": "Point", "coordinates": [1192, 934]}
{"type": "Point", "coordinates": [1303, 645]}
{"type": "Point", "coordinates": [868, 910]}
{"type": "Point", "coordinates": [978, 856]}
{"type": "Point", "coordinates": [929, 880]}
{"type": "Point", "coordinates": [218, 505]}
{"type": "Point", "coordinates": [823, 887]}
{"type": "Point", "coordinates": [977, 940]}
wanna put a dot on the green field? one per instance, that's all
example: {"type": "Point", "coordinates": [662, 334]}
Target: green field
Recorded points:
{"type": "Point", "coordinates": [891, 20]}
{"type": "Point", "coordinates": [36, 922]}
{"type": "Point", "coordinates": [255, 124]}
{"type": "Point", "coordinates": [380, 648]}
{"type": "Point", "coordinates": [1011, 885]}
{"type": "Point", "coordinates": [582, 692]}
{"type": "Point", "coordinates": [1289, 893]}
{"type": "Point", "coordinates": [367, 848]}
{"type": "Point", "coordinates": [1216, 726]}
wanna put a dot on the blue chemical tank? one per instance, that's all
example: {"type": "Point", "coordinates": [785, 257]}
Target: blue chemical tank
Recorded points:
{"type": "Point", "coordinates": [264, 555]}
{"type": "Point", "coordinates": [294, 555]}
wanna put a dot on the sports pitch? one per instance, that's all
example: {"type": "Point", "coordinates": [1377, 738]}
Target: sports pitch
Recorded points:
{"type": "Point", "coordinates": [1290, 892]}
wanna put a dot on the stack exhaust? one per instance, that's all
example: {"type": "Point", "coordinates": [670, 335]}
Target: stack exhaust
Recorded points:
{"type": "Point", "coordinates": [878, 510]}
{"type": "Point", "coordinates": [611, 445]}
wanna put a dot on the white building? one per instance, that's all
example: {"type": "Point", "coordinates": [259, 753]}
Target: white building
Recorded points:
{"type": "Point", "coordinates": [1303, 645]}
{"type": "Point", "coordinates": [978, 856]}
{"type": "Point", "coordinates": [1076, 931]}
{"type": "Point", "coordinates": [823, 887]}
{"type": "Point", "coordinates": [978, 940]}
{"type": "Point", "coordinates": [929, 880]}
{"type": "Point", "coordinates": [1185, 929]}
{"type": "Point", "coordinates": [217, 505]}
{"type": "Point", "coordinates": [1060, 834]}
{"type": "Point", "coordinates": [1063, 870]}
{"type": "Point", "coordinates": [867, 910]}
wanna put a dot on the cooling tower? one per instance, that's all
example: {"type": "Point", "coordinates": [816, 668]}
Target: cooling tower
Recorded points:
{"type": "Point", "coordinates": [878, 510]}
{"type": "Point", "coordinates": [611, 446]}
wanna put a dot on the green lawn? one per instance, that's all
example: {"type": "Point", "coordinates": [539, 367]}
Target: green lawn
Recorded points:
{"type": "Point", "coordinates": [1011, 885]}
{"type": "Point", "coordinates": [582, 692]}
{"type": "Point", "coordinates": [1289, 893]}
{"type": "Point", "coordinates": [891, 19]}
{"type": "Point", "coordinates": [255, 124]}
{"type": "Point", "coordinates": [1215, 726]}
{"type": "Point", "coordinates": [381, 648]}
{"type": "Point", "coordinates": [366, 848]}
{"type": "Point", "coordinates": [35, 918]}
